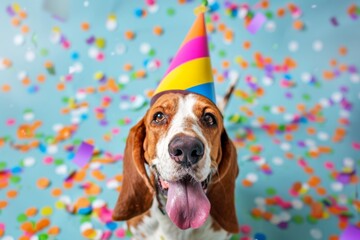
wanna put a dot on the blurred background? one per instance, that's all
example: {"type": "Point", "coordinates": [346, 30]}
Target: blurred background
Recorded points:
{"type": "Point", "coordinates": [75, 72]}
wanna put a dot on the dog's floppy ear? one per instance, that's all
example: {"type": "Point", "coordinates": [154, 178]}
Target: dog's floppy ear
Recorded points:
{"type": "Point", "coordinates": [222, 190]}
{"type": "Point", "coordinates": [137, 192]}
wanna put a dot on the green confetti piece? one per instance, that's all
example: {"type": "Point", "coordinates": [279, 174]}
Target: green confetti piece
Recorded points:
{"type": "Point", "coordinates": [266, 108]}
{"type": "Point", "coordinates": [310, 219]}
{"type": "Point", "coordinates": [44, 52]}
{"type": "Point", "coordinates": [250, 14]}
{"type": "Point", "coordinates": [15, 179]}
{"type": "Point", "coordinates": [21, 218]}
{"type": "Point", "coordinates": [270, 191]}
{"type": "Point", "coordinates": [121, 122]}
{"type": "Point", "coordinates": [306, 97]}
{"type": "Point", "coordinates": [58, 162]}
{"type": "Point", "coordinates": [211, 46]}
{"type": "Point", "coordinates": [269, 15]}
{"type": "Point", "coordinates": [85, 218]}
{"type": "Point", "coordinates": [152, 53]}
{"type": "Point", "coordinates": [92, 198]}
{"type": "Point", "coordinates": [282, 127]}
{"type": "Point", "coordinates": [222, 53]}
{"type": "Point", "coordinates": [49, 140]}
{"type": "Point", "coordinates": [77, 141]}
{"type": "Point", "coordinates": [39, 135]}
{"type": "Point", "coordinates": [65, 99]}
{"type": "Point", "coordinates": [128, 233]}
{"type": "Point", "coordinates": [170, 11]}
{"type": "Point", "coordinates": [2, 165]}
{"type": "Point", "coordinates": [43, 236]}
{"type": "Point", "coordinates": [297, 219]}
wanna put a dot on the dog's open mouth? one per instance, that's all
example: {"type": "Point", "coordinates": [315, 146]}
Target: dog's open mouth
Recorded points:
{"type": "Point", "coordinates": [164, 185]}
{"type": "Point", "coordinates": [187, 204]}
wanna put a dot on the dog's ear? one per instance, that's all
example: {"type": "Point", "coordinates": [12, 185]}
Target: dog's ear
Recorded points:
{"type": "Point", "coordinates": [136, 192]}
{"type": "Point", "coordinates": [222, 189]}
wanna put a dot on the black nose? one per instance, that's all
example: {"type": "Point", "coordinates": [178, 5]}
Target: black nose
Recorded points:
{"type": "Point", "coordinates": [186, 150]}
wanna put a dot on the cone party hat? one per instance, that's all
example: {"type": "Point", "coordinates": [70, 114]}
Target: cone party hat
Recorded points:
{"type": "Point", "coordinates": [190, 70]}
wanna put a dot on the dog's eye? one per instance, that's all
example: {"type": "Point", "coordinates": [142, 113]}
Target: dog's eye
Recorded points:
{"type": "Point", "coordinates": [209, 119]}
{"type": "Point", "coordinates": [159, 118]}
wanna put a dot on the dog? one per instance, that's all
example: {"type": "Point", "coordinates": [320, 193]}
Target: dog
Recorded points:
{"type": "Point", "coordinates": [179, 172]}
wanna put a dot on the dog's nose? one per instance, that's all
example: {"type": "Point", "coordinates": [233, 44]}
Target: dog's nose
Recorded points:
{"type": "Point", "coordinates": [186, 150]}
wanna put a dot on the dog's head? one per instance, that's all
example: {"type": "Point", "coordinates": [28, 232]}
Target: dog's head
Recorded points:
{"type": "Point", "coordinates": [191, 159]}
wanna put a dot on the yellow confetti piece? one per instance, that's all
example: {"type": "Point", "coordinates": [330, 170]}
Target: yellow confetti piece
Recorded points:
{"type": "Point", "coordinates": [16, 7]}
{"type": "Point", "coordinates": [46, 211]}
{"type": "Point", "coordinates": [200, 9]}
{"type": "Point", "coordinates": [59, 205]}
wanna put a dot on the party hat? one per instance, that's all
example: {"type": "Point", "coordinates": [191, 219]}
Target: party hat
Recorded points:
{"type": "Point", "coordinates": [190, 70]}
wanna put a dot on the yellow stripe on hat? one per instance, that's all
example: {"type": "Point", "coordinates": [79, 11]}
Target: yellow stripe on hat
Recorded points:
{"type": "Point", "coordinates": [187, 75]}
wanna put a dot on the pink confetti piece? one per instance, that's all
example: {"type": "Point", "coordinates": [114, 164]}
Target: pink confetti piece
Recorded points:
{"type": "Point", "coordinates": [256, 23]}
{"type": "Point", "coordinates": [356, 145]}
{"type": "Point", "coordinates": [10, 122]}
{"type": "Point", "coordinates": [48, 160]}
{"type": "Point", "coordinates": [83, 155]}
{"type": "Point", "coordinates": [329, 165]}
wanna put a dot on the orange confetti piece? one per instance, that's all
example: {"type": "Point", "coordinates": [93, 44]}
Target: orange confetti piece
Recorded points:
{"type": "Point", "coordinates": [27, 227]}
{"type": "Point", "coordinates": [54, 230]}
{"type": "Point", "coordinates": [85, 26]}
{"type": "Point", "coordinates": [321, 191]}
{"type": "Point", "coordinates": [298, 25]}
{"type": "Point", "coordinates": [343, 51]}
{"type": "Point", "coordinates": [280, 12]}
{"type": "Point", "coordinates": [129, 35]}
{"type": "Point", "coordinates": [6, 88]}
{"type": "Point", "coordinates": [42, 224]}
{"type": "Point", "coordinates": [60, 86]}
{"type": "Point", "coordinates": [98, 175]}
{"type": "Point", "coordinates": [15, 21]}
{"type": "Point", "coordinates": [158, 31]}
{"type": "Point", "coordinates": [79, 176]}
{"type": "Point", "coordinates": [314, 181]}
{"type": "Point", "coordinates": [43, 183]}
{"type": "Point", "coordinates": [12, 194]}
{"type": "Point", "coordinates": [3, 204]}
{"type": "Point", "coordinates": [333, 237]}
{"type": "Point", "coordinates": [93, 190]}
{"type": "Point", "coordinates": [247, 183]}
{"type": "Point", "coordinates": [31, 212]}
{"type": "Point", "coordinates": [82, 202]}
{"type": "Point", "coordinates": [56, 192]}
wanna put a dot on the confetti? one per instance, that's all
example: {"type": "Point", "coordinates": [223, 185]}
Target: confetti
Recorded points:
{"type": "Point", "coordinates": [256, 23]}
{"type": "Point", "coordinates": [83, 154]}
{"type": "Point", "coordinates": [71, 91]}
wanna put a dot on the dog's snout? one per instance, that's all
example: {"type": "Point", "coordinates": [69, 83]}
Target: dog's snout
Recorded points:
{"type": "Point", "coordinates": [186, 150]}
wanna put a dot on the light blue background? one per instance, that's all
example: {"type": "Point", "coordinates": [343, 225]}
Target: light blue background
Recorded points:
{"type": "Point", "coordinates": [47, 102]}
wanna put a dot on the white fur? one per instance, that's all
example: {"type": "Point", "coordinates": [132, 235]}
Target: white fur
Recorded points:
{"type": "Point", "coordinates": [158, 226]}
{"type": "Point", "coordinates": [167, 167]}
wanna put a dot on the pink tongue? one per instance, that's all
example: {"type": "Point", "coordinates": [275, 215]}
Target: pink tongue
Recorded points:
{"type": "Point", "coordinates": [187, 204]}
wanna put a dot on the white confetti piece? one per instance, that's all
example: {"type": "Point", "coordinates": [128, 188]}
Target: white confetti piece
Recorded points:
{"type": "Point", "coordinates": [278, 161]}
{"type": "Point", "coordinates": [317, 46]}
{"type": "Point", "coordinates": [29, 162]}
{"type": "Point", "coordinates": [316, 233]}
{"type": "Point", "coordinates": [252, 177]}
{"type": "Point", "coordinates": [293, 46]}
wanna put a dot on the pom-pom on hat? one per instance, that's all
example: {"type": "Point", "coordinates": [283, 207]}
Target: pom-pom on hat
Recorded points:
{"type": "Point", "coordinates": [190, 70]}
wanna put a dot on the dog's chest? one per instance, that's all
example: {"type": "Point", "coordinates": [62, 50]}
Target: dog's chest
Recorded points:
{"type": "Point", "coordinates": [158, 226]}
